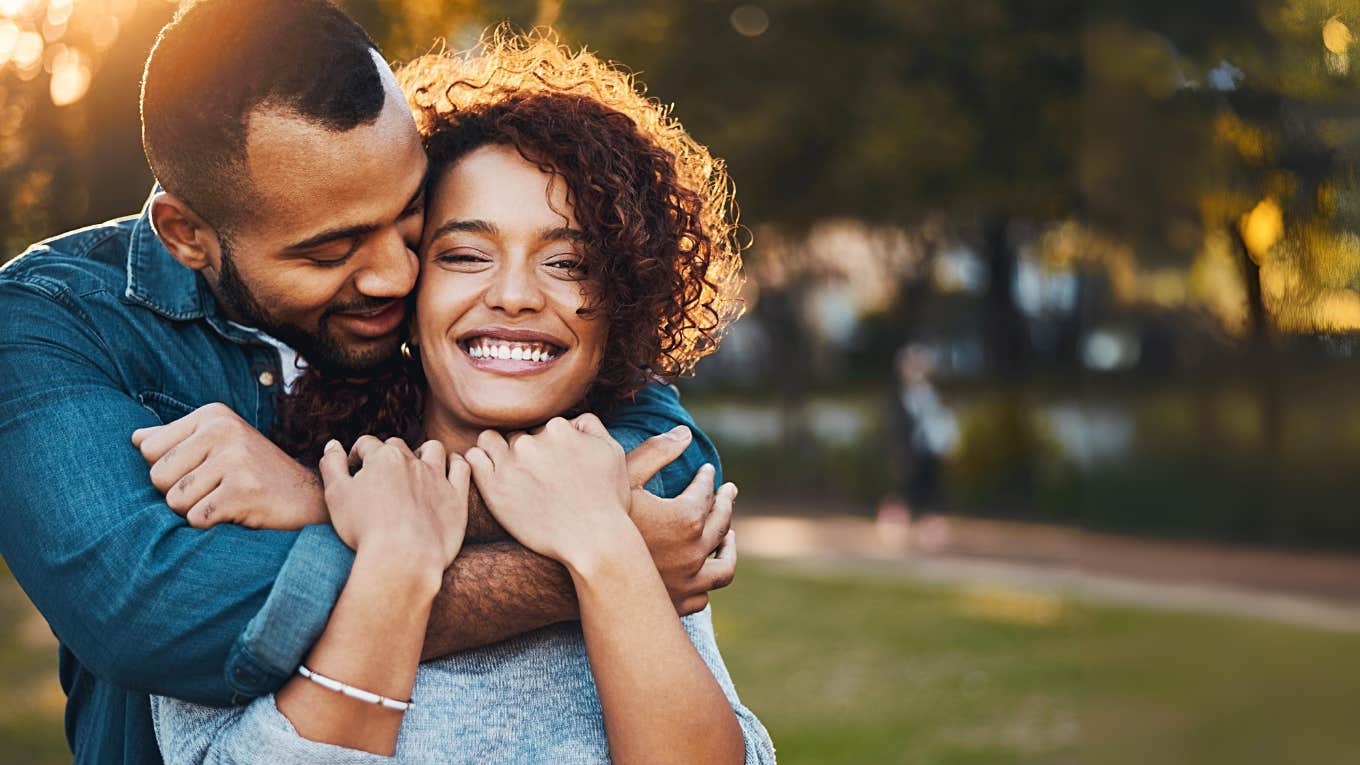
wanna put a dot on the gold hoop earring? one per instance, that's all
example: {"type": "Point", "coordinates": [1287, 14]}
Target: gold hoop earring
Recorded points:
{"type": "Point", "coordinates": [406, 352]}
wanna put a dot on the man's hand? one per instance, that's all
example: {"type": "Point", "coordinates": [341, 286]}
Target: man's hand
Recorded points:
{"type": "Point", "coordinates": [214, 467]}
{"type": "Point", "coordinates": [684, 533]}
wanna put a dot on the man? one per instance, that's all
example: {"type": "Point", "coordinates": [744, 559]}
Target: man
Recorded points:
{"type": "Point", "coordinates": [291, 188]}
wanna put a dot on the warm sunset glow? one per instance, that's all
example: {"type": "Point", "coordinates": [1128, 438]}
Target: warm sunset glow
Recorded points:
{"type": "Point", "coordinates": [64, 38]}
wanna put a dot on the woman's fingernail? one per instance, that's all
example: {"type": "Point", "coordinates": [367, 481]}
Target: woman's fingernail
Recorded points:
{"type": "Point", "coordinates": [332, 444]}
{"type": "Point", "coordinates": [678, 433]}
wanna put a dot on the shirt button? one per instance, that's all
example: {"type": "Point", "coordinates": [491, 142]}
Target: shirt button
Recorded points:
{"type": "Point", "coordinates": [266, 378]}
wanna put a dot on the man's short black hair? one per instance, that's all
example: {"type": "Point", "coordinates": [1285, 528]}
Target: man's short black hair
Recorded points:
{"type": "Point", "coordinates": [219, 61]}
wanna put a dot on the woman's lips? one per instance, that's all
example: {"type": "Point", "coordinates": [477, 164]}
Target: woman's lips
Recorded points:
{"type": "Point", "coordinates": [374, 325]}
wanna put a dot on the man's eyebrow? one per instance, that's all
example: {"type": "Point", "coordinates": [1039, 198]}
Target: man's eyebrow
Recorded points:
{"type": "Point", "coordinates": [350, 232]}
{"type": "Point", "coordinates": [333, 235]}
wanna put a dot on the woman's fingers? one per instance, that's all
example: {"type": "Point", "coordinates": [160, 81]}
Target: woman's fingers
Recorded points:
{"type": "Point", "coordinates": [359, 453]}
{"type": "Point", "coordinates": [432, 453]}
{"type": "Point", "coordinates": [590, 425]}
{"type": "Point", "coordinates": [460, 474]}
{"type": "Point", "coordinates": [334, 464]}
{"type": "Point", "coordinates": [493, 444]}
{"type": "Point", "coordinates": [400, 446]}
{"type": "Point", "coordinates": [481, 464]}
{"type": "Point", "coordinates": [460, 478]}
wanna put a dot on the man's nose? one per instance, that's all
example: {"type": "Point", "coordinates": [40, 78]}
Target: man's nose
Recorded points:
{"type": "Point", "coordinates": [391, 269]}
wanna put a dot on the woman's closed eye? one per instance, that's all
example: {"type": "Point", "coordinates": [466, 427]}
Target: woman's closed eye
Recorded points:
{"type": "Point", "coordinates": [571, 266]}
{"type": "Point", "coordinates": [463, 258]}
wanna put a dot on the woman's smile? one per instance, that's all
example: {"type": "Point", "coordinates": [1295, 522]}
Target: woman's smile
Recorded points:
{"type": "Point", "coordinates": [511, 351]}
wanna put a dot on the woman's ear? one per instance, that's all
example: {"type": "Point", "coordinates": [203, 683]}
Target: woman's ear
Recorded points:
{"type": "Point", "coordinates": [188, 237]}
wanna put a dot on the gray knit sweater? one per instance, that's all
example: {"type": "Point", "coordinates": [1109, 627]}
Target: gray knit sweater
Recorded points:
{"type": "Point", "coordinates": [531, 699]}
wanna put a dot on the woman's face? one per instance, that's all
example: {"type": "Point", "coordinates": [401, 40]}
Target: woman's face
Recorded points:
{"type": "Point", "coordinates": [498, 322]}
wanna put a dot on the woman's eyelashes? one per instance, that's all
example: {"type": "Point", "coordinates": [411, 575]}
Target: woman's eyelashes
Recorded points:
{"type": "Point", "coordinates": [569, 266]}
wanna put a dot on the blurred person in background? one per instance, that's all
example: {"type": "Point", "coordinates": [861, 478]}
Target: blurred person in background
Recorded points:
{"type": "Point", "coordinates": [291, 202]}
{"type": "Point", "coordinates": [573, 249]}
{"type": "Point", "coordinates": [924, 432]}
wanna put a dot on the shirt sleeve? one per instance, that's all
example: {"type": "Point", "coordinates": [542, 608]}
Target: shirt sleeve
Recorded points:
{"type": "Point", "coordinates": [655, 410]}
{"type": "Point", "coordinates": [759, 747]}
{"type": "Point", "coordinates": [141, 599]}
{"type": "Point", "coordinates": [257, 734]}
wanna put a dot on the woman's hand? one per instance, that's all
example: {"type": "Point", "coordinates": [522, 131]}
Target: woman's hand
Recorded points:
{"type": "Point", "coordinates": [562, 491]}
{"type": "Point", "coordinates": [412, 505]}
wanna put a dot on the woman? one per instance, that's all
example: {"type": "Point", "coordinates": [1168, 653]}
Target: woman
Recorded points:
{"type": "Point", "coordinates": [577, 242]}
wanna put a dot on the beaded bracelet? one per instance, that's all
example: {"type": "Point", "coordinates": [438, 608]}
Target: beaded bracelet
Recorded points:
{"type": "Point", "coordinates": [354, 693]}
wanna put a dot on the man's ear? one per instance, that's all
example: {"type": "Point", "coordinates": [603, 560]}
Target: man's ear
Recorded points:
{"type": "Point", "coordinates": [188, 237]}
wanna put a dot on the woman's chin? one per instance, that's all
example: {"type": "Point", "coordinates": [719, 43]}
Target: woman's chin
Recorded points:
{"type": "Point", "coordinates": [511, 415]}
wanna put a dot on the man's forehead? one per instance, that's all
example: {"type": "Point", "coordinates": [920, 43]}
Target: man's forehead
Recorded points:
{"type": "Point", "coordinates": [300, 169]}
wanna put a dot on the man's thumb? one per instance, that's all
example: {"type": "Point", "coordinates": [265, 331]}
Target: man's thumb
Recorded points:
{"type": "Point", "coordinates": [655, 453]}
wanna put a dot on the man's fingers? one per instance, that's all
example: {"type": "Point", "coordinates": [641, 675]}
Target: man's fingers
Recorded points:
{"type": "Point", "coordinates": [153, 443]}
{"type": "Point", "coordinates": [204, 515]}
{"type": "Point", "coordinates": [719, 571]}
{"type": "Point", "coordinates": [334, 464]}
{"type": "Point", "coordinates": [193, 487]}
{"type": "Point", "coordinates": [720, 518]}
{"type": "Point", "coordinates": [655, 453]}
{"type": "Point", "coordinates": [178, 461]}
{"type": "Point", "coordinates": [700, 489]}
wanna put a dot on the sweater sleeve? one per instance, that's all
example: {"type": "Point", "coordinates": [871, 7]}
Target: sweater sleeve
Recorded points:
{"type": "Point", "coordinates": [192, 734]}
{"type": "Point", "coordinates": [759, 747]}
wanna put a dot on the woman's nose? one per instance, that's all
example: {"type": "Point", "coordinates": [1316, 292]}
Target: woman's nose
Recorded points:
{"type": "Point", "coordinates": [514, 289]}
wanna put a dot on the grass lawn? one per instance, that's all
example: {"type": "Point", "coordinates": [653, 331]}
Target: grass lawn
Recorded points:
{"type": "Point", "coordinates": [865, 669]}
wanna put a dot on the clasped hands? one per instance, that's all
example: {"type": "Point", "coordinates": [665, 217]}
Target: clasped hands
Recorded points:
{"type": "Point", "coordinates": [561, 490]}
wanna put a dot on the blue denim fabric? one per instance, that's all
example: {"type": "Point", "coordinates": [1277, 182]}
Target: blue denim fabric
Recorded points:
{"type": "Point", "coordinates": [103, 332]}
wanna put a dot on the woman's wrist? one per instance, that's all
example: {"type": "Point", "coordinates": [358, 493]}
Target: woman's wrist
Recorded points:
{"type": "Point", "coordinates": [608, 552]}
{"type": "Point", "coordinates": [403, 566]}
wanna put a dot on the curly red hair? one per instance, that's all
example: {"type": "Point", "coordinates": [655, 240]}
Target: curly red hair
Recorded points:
{"type": "Point", "coordinates": [656, 209]}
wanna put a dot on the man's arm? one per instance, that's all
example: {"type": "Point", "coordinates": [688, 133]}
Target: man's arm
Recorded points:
{"type": "Point", "coordinates": [492, 591]}
{"type": "Point", "coordinates": [142, 600]}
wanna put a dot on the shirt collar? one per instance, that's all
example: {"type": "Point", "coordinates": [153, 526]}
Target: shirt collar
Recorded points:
{"type": "Point", "coordinates": [158, 281]}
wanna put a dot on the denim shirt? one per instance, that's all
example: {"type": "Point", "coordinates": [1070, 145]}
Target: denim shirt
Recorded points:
{"type": "Point", "coordinates": [103, 332]}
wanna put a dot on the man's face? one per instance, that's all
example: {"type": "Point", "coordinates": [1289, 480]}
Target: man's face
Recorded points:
{"type": "Point", "coordinates": [326, 258]}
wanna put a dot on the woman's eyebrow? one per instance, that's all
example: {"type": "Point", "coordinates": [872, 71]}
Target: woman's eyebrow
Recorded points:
{"type": "Point", "coordinates": [562, 233]}
{"type": "Point", "coordinates": [468, 226]}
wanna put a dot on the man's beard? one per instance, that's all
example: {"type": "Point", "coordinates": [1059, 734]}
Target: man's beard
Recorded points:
{"type": "Point", "coordinates": [320, 349]}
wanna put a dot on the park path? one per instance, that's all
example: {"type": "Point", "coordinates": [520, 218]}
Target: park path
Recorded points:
{"type": "Point", "coordinates": [1308, 589]}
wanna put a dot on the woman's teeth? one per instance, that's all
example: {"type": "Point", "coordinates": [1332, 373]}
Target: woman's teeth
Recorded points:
{"type": "Point", "coordinates": [495, 349]}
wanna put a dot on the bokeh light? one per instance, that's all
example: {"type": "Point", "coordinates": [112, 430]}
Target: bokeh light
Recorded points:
{"type": "Point", "coordinates": [750, 20]}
